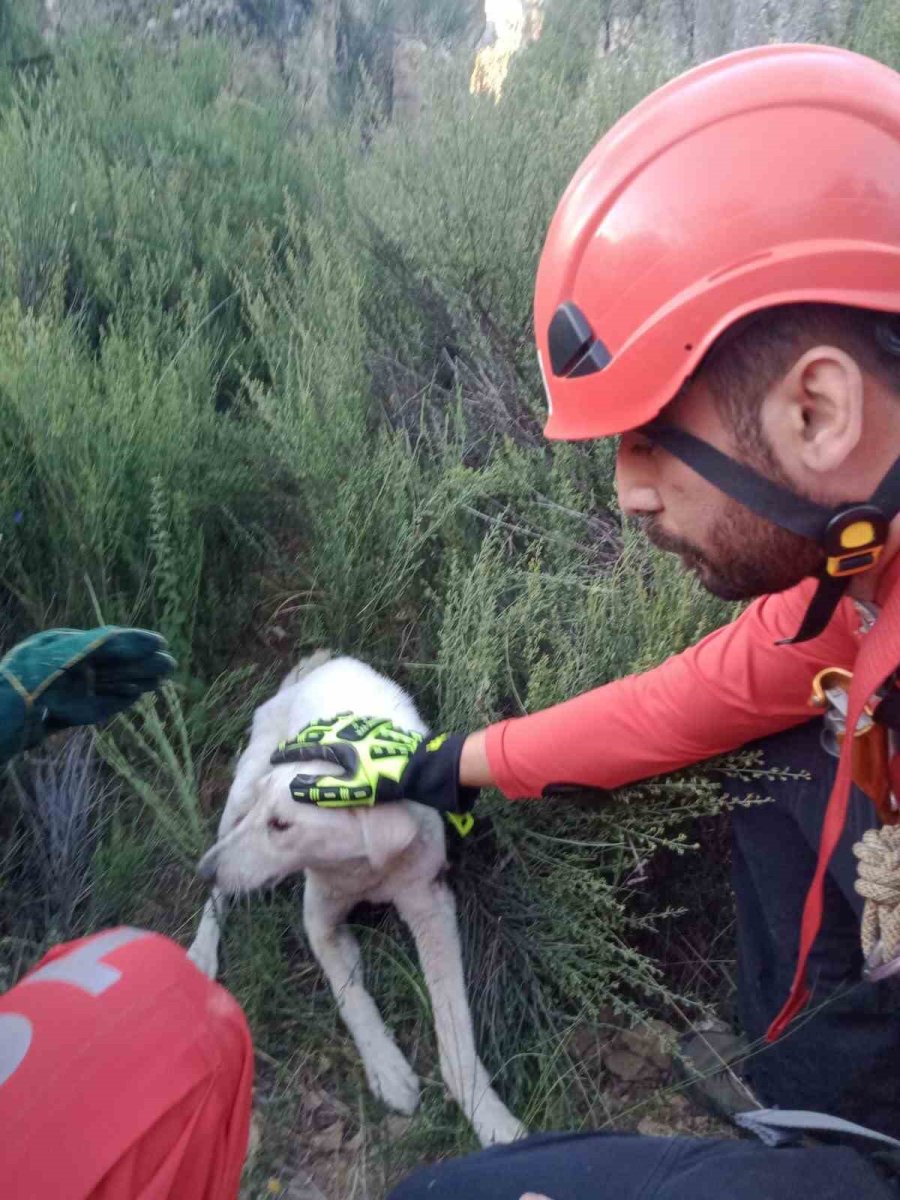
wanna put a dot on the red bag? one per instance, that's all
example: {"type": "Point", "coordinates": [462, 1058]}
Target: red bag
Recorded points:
{"type": "Point", "coordinates": [125, 1074]}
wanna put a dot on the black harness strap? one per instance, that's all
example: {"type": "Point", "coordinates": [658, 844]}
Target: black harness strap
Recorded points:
{"type": "Point", "coordinates": [825, 600]}
{"type": "Point", "coordinates": [767, 499]}
{"type": "Point", "coordinates": [845, 556]}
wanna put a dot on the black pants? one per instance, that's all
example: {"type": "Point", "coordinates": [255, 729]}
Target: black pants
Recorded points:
{"type": "Point", "coordinates": [841, 1057]}
{"type": "Point", "coordinates": [598, 1166]}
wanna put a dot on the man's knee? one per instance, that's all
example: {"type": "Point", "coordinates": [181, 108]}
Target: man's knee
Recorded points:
{"type": "Point", "coordinates": [594, 1166]}
{"type": "Point", "coordinates": [565, 1166]}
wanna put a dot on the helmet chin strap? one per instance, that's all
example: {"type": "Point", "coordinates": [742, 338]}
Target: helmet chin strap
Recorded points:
{"type": "Point", "coordinates": [852, 536]}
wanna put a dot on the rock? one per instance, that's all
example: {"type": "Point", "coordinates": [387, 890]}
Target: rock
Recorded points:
{"type": "Point", "coordinates": [409, 55]}
{"type": "Point", "coordinates": [327, 1140]}
{"type": "Point", "coordinates": [584, 1042]}
{"type": "Point", "coordinates": [653, 1127]}
{"type": "Point", "coordinates": [652, 1042]}
{"type": "Point", "coordinates": [320, 1112]}
{"type": "Point", "coordinates": [625, 1065]}
{"type": "Point", "coordinates": [641, 1053]}
{"type": "Point", "coordinates": [301, 1187]}
{"type": "Point", "coordinates": [303, 43]}
{"type": "Point", "coordinates": [396, 1127]}
{"type": "Point", "coordinates": [312, 1100]}
{"type": "Point", "coordinates": [354, 1144]}
{"type": "Point", "coordinates": [588, 1039]}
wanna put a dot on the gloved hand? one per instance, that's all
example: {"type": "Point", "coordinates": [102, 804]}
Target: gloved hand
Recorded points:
{"type": "Point", "coordinates": [75, 677]}
{"type": "Point", "coordinates": [378, 762]}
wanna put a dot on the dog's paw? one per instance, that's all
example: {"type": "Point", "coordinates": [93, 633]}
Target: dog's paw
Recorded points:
{"type": "Point", "coordinates": [204, 954]}
{"type": "Point", "coordinates": [494, 1123]}
{"type": "Point", "coordinates": [393, 1081]}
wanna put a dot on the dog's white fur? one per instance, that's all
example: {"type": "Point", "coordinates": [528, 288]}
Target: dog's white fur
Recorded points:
{"type": "Point", "coordinates": [392, 853]}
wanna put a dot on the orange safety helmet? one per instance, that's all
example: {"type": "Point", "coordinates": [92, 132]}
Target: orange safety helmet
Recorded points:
{"type": "Point", "coordinates": [770, 176]}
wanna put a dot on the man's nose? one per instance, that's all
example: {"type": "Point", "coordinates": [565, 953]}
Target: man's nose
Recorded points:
{"type": "Point", "coordinates": [635, 481]}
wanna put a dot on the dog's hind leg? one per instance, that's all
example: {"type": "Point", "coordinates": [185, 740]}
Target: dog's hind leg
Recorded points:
{"type": "Point", "coordinates": [204, 950]}
{"type": "Point", "coordinates": [390, 1076]}
{"type": "Point", "coordinates": [430, 913]}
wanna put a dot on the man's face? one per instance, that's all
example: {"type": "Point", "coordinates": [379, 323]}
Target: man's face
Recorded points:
{"type": "Point", "coordinates": [736, 554]}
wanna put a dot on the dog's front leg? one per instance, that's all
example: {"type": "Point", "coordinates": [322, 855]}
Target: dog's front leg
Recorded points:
{"type": "Point", "coordinates": [430, 913]}
{"type": "Point", "coordinates": [390, 1076]}
{"type": "Point", "coordinates": [204, 950]}
{"type": "Point", "coordinates": [253, 763]}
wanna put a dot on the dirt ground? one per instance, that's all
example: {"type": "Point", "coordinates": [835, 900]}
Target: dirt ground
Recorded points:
{"type": "Point", "coordinates": [637, 1087]}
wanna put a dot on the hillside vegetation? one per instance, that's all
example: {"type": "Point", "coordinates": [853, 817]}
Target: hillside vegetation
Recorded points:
{"type": "Point", "coordinates": [268, 384]}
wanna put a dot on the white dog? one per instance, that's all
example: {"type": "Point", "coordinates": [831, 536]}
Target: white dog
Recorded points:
{"type": "Point", "coordinates": [390, 853]}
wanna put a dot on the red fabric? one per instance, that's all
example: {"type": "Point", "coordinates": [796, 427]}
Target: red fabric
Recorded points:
{"type": "Point", "coordinates": [734, 686]}
{"type": "Point", "coordinates": [140, 1092]}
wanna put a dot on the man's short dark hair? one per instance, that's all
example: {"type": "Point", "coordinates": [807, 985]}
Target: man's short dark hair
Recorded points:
{"type": "Point", "coordinates": [758, 350]}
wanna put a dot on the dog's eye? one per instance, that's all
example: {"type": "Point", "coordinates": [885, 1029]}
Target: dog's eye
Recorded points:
{"type": "Point", "coordinates": [278, 825]}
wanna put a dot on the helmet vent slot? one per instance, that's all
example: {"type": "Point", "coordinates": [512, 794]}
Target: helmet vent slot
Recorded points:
{"type": "Point", "coordinates": [574, 351]}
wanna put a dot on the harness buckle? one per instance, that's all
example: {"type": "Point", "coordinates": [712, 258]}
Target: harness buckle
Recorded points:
{"type": "Point", "coordinates": [870, 752]}
{"type": "Point", "coordinates": [831, 689]}
{"type": "Point", "coordinates": [854, 539]}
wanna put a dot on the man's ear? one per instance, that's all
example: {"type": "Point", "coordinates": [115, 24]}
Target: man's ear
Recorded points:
{"type": "Point", "coordinates": [387, 830]}
{"type": "Point", "coordinates": [814, 414]}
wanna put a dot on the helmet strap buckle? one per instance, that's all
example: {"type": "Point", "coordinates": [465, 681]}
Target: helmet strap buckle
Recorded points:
{"type": "Point", "coordinates": [854, 540]}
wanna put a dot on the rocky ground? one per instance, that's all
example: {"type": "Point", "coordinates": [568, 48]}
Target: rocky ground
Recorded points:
{"type": "Point", "coordinates": [637, 1090]}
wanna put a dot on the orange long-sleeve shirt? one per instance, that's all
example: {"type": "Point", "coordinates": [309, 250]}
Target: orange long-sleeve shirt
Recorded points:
{"type": "Point", "coordinates": [733, 686]}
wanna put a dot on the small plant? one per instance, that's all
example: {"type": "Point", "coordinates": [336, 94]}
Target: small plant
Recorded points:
{"type": "Point", "coordinates": [177, 548]}
{"type": "Point", "coordinates": [61, 794]}
{"type": "Point", "coordinates": [150, 752]}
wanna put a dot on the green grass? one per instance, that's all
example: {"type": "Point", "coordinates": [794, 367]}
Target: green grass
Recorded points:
{"type": "Point", "coordinates": [268, 384]}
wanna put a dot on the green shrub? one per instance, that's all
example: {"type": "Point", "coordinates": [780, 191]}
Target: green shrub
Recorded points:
{"type": "Point", "coordinates": [134, 188]}
{"type": "Point", "coordinates": [876, 31]}
{"type": "Point", "coordinates": [267, 386]}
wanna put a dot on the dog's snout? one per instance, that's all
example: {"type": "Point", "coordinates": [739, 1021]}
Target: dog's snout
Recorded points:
{"type": "Point", "coordinates": [207, 867]}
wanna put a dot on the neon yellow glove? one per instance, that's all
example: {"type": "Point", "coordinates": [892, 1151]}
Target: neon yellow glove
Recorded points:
{"type": "Point", "coordinates": [378, 763]}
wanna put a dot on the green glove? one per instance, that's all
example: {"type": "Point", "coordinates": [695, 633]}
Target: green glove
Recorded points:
{"type": "Point", "coordinates": [378, 762]}
{"type": "Point", "coordinates": [75, 677]}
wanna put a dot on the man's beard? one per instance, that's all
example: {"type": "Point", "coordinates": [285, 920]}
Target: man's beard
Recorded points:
{"type": "Point", "coordinates": [745, 556]}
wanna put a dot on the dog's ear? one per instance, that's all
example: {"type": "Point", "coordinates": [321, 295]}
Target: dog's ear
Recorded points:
{"type": "Point", "coordinates": [388, 830]}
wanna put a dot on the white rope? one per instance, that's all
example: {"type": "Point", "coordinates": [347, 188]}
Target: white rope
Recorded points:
{"type": "Point", "coordinates": [878, 882]}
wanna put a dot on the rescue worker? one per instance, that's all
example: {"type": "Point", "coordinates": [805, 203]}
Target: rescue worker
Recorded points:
{"type": "Point", "coordinates": [125, 1074]}
{"type": "Point", "coordinates": [720, 289]}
